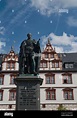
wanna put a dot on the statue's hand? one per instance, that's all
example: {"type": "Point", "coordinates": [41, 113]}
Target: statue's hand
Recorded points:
{"type": "Point", "coordinates": [38, 43]}
{"type": "Point", "coordinates": [38, 40]}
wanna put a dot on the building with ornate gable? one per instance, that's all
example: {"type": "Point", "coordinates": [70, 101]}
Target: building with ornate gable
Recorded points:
{"type": "Point", "coordinates": [59, 73]}
{"type": "Point", "coordinates": [9, 70]}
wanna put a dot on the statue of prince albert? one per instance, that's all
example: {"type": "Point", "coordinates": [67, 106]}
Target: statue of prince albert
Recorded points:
{"type": "Point", "coordinates": [29, 56]}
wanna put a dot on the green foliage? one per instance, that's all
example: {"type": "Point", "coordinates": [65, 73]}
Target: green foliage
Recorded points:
{"type": "Point", "coordinates": [61, 107]}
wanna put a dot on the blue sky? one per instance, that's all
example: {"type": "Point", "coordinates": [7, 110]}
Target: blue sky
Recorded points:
{"type": "Point", "coordinates": [54, 19]}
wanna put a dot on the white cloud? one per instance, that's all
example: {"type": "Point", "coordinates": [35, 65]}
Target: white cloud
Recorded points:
{"type": "Point", "coordinates": [63, 43]}
{"type": "Point", "coordinates": [69, 3]}
{"type": "Point", "coordinates": [2, 30]}
{"type": "Point", "coordinates": [2, 45]}
{"type": "Point", "coordinates": [62, 40]}
{"type": "Point", "coordinates": [14, 3]}
{"type": "Point", "coordinates": [74, 47]}
{"type": "Point", "coordinates": [71, 21]}
{"type": "Point", "coordinates": [47, 7]}
{"type": "Point", "coordinates": [59, 49]}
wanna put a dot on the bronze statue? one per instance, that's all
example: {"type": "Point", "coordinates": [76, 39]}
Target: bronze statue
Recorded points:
{"type": "Point", "coordinates": [29, 56]}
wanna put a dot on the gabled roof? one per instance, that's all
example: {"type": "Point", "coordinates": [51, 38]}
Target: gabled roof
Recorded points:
{"type": "Point", "coordinates": [69, 58]}
{"type": "Point", "coordinates": [65, 57]}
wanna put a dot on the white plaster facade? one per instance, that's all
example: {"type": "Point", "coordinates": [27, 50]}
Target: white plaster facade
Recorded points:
{"type": "Point", "coordinates": [6, 86]}
{"type": "Point", "coordinates": [59, 86]}
{"type": "Point", "coordinates": [47, 68]}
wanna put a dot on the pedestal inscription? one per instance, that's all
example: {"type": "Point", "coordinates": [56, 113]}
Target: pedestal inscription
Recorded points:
{"type": "Point", "coordinates": [27, 97]}
{"type": "Point", "coordinates": [28, 94]}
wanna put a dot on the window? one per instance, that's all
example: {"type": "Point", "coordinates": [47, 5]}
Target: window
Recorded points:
{"type": "Point", "coordinates": [52, 55]}
{"type": "Point", "coordinates": [43, 64]}
{"type": "Point", "coordinates": [68, 94]}
{"type": "Point", "coordinates": [70, 65]}
{"type": "Point", "coordinates": [67, 79]}
{"type": "Point", "coordinates": [1, 79]}
{"type": "Point", "coordinates": [67, 65]}
{"type": "Point", "coordinates": [50, 94]}
{"type": "Point", "coordinates": [10, 106]}
{"type": "Point", "coordinates": [12, 95]}
{"type": "Point", "coordinates": [46, 55]}
{"type": "Point", "coordinates": [12, 77]}
{"type": "Point", "coordinates": [43, 106]}
{"type": "Point", "coordinates": [40, 65]}
{"type": "Point", "coordinates": [50, 79]}
{"type": "Point", "coordinates": [55, 64]}
{"type": "Point", "coordinates": [1, 95]}
{"type": "Point", "coordinates": [10, 65]}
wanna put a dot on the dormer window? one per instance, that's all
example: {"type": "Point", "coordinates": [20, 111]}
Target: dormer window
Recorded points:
{"type": "Point", "coordinates": [68, 65]}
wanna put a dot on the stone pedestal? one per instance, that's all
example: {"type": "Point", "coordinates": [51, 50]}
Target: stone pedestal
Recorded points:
{"type": "Point", "coordinates": [28, 92]}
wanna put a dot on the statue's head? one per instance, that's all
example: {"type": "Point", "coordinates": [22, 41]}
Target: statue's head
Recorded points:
{"type": "Point", "coordinates": [29, 35]}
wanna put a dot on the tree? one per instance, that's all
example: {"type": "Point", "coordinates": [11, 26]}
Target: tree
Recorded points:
{"type": "Point", "coordinates": [61, 107]}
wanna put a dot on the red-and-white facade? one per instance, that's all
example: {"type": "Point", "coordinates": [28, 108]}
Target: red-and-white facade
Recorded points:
{"type": "Point", "coordinates": [9, 71]}
{"type": "Point", "coordinates": [58, 87]}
